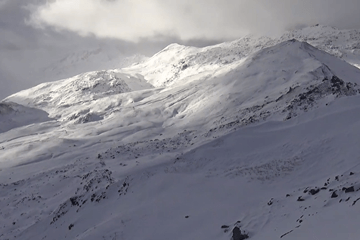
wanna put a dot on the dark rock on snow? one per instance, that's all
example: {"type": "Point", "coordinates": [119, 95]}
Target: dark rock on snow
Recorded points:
{"type": "Point", "coordinates": [349, 189]}
{"type": "Point", "coordinates": [300, 199]}
{"type": "Point", "coordinates": [237, 235]}
{"type": "Point", "coordinates": [314, 191]}
{"type": "Point", "coordinates": [334, 195]}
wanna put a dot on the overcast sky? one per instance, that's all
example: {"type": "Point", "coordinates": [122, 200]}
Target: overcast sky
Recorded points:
{"type": "Point", "coordinates": [36, 32]}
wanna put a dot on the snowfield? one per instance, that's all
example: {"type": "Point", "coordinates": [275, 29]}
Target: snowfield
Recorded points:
{"type": "Point", "coordinates": [249, 139]}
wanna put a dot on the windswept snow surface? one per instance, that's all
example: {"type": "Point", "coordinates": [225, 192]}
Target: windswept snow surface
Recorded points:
{"type": "Point", "coordinates": [267, 142]}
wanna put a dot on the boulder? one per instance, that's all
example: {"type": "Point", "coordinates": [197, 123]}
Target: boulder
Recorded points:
{"type": "Point", "coordinates": [237, 235]}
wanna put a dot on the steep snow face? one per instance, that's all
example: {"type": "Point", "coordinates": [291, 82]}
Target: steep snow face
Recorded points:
{"type": "Point", "coordinates": [266, 143]}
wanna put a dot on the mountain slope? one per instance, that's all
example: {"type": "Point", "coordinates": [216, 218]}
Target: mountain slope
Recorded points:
{"type": "Point", "coordinates": [341, 43]}
{"type": "Point", "coordinates": [272, 81]}
{"type": "Point", "coordinates": [178, 64]}
{"type": "Point", "coordinates": [24, 69]}
{"type": "Point", "coordinates": [13, 115]}
{"type": "Point", "coordinates": [267, 144]}
{"type": "Point", "coordinates": [75, 98]}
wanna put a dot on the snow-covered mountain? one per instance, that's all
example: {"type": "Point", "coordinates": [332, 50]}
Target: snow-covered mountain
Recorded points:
{"type": "Point", "coordinates": [181, 62]}
{"type": "Point", "coordinates": [13, 115]}
{"type": "Point", "coordinates": [21, 69]}
{"type": "Point", "coordinates": [341, 43]}
{"type": "Point", "coordinates": [252, 138]}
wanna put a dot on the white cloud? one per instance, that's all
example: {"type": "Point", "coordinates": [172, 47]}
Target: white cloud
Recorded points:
{"type": "Point", "coordinates": [132, 20]}
{"type": "Point", "coordinates": [135, 19]}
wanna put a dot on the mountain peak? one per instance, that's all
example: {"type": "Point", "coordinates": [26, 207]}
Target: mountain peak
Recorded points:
{"type": "Point", "coordinates": [177, 135]}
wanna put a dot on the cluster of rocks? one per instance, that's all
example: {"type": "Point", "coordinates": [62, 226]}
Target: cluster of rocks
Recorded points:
{"type": "Point", "coordinates": [335, 192]}
{"type": "Point", "coordinates": [308, 99]}
{"type": "Point", "coordinates": [134, 150]}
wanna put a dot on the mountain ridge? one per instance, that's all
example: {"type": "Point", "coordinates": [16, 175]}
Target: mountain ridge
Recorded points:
{"type": "Point", "coordinates": [341, 43]}
{"type": "Point", "coordinates": [265, 143]}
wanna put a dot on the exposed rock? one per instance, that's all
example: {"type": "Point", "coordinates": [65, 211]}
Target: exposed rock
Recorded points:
{"type": "Point", "coordinates": [349, 189]}
{"type": "Point", "coordinates": [314, 191]}
{"type": "Point", "coordinates": [286, 234]}
{"type": "Point", "coordinates": [300, 199]}
{"type": "Point", "coordinates": [237, 235]}
{"type": "Point", "coordinates": [74, 201]}
{"type": "Point", "coordinates": [355, 201]}
{"type": "Point", "coordinates": [334, 195]}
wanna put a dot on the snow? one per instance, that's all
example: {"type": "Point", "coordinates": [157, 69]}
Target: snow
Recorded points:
{"type": "Point", "coordinates": [73, 96]}
{"type": "Point", "coordinates": [13, 115]}
{"type": "Point", "coordinates": [340, 43]}
{"type": "Point", "coordinates": [163, 151]}
{"type": "Point", "coordinates": [21, 70]}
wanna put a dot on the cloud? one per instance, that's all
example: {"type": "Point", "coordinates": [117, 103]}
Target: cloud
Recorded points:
{"type": "Point", "coordinates": [133, 20]}
{"type": "Point", "coordinates": [2, 3]}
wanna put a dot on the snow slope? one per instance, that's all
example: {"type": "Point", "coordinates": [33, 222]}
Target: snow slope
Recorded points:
{"type": "Point", "coordinates": [267, 144]}
{"type": "Point", "coordinates": [13, 115]}
{"type": "Point", "coordinates": [74, 98]}
{"type": "Point", "coordinates": [176, 62]}
{"type": "Point", "coordinates": [341, 43]}
{"type": "Point", "coordinates": [24, 69]}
